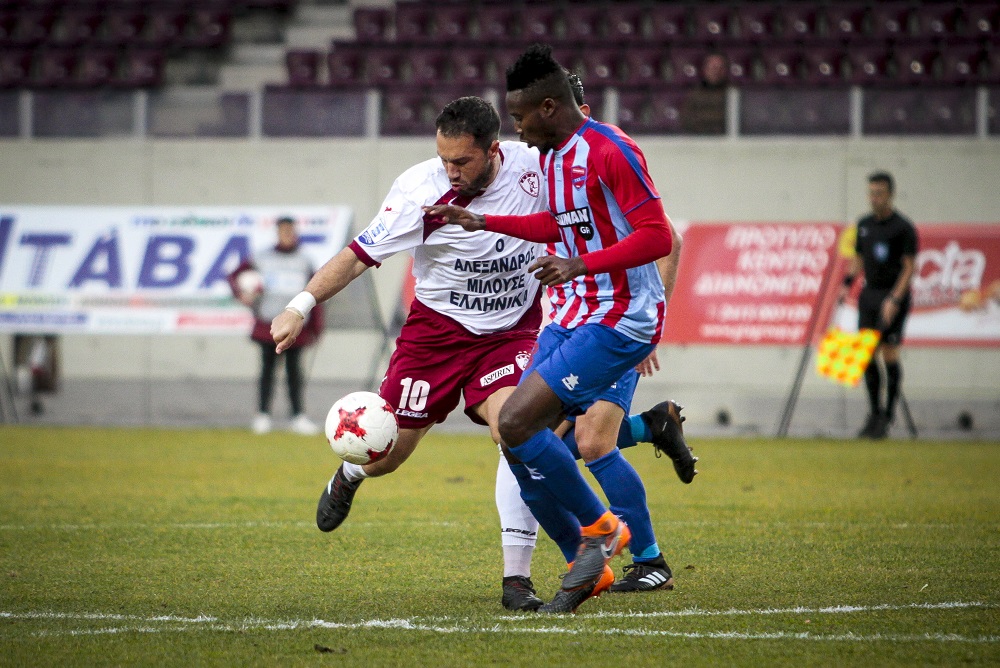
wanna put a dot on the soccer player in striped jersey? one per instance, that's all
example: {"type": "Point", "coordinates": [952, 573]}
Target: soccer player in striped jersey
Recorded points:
{"type": "Point", "coordinates": [605, 210]}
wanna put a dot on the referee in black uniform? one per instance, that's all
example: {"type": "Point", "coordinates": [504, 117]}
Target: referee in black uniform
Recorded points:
{"type": "Point", "coordinates": [886, 250]}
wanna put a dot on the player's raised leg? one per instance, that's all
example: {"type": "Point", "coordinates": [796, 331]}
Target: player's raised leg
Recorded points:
{"type": "Point", "coordinates": [338, 495]}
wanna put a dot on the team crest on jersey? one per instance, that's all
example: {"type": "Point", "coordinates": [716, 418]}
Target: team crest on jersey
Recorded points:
{"type": "Point", "coordinates": [523, 359]}
{"type": "Point", "coordinates": [529, 183]}
{"type": "Point", "coordinates": [579, 176]}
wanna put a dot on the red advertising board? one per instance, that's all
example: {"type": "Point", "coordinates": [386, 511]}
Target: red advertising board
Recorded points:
{"type": "Point", "coordinates": [956, 289]}
{"type": "Point", "coordinates": [751, 283]}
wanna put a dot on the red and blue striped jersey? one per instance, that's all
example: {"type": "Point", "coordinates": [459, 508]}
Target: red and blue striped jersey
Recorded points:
{"type": "Point", "coordinates": [596, 179]}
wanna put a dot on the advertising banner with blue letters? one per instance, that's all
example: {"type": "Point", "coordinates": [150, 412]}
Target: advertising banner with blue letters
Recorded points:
{"type": "Point", "coordinates": [141, 270]}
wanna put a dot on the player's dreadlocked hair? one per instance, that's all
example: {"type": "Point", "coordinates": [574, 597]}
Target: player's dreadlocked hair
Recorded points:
{"type": "Point", "coordinates": [470, 116]}
{"type": "Point", "coordinates": [537, 72]}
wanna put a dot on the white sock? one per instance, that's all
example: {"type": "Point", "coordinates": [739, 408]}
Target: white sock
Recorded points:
{"type": "Point", "coordinates": [517, 560]}
{"type": "Point", "coordinates": [518, 527]}
{"type": "Point", "coordinates": [354, 472]}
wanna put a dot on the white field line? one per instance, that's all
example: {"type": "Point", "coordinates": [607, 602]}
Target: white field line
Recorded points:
{"type": "Point", "coordinates": [264, 524]}
{"type": "Point", "coordinates": [175, 624]}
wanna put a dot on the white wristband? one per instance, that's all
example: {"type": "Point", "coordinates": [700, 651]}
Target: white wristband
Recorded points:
{"type": "Point", "coordinates": [302, 303]}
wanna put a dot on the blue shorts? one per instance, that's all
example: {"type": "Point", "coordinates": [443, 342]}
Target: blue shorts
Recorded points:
{"type": "Point", "coordinates": [580, 365]}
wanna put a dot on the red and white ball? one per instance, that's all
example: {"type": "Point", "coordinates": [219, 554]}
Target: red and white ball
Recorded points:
{"type": "Point", "coordinates": [361, 427]}
{"type": "Point", "coordinates": [250, 283]}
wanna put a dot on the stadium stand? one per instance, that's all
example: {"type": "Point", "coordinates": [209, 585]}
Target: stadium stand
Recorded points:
{"type": "Point", "coordinates": [652, 51]}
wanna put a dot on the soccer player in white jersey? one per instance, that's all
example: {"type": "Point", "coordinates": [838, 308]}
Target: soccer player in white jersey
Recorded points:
{"type": "Point", "coordinates": [604, 209]}
{"type": "Point", "coordinates": [476, 311]}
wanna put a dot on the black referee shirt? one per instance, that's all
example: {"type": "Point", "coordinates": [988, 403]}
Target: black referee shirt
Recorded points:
{"type": "Point", "coordinates": [882, 244]}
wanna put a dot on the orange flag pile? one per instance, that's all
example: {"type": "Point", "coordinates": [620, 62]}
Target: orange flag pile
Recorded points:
{"type": "Point", "coordinates": [843, 356]}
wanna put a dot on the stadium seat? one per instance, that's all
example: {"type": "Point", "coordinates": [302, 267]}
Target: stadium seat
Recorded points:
{"type": "Point", "coordinates": [385, 65]}
{"type": "Point", "coordinates": [122, 26]}
{"type": "Point", "coordinates": [711, 23]}
{"type": "Point", "coordinates": [164, 27]}
{"type": "Point", "coordinates": [646, 66]}
{"type": "Point", "coordinates": [667, 22]}
{"type": "Point", "coordinates": [962, 63]}
{"type": "Point", "coordinates": [822, 65]}
{"type": "Point", "coordinates": [471, 66]}
{"type": "Point", "coordinates": [867, 64]}
{"type": "Point", "coordinates": [77, 26]}
{"type": "Point", "coordinates": [345, 64]}
{"type": "Point", "coordinates": [915, 62]}
{"type": "Point", "coordinates": [15, 68]}
{"type": "Point", "coordinates": [890, 20]}
{"type": "Point", "coordinates": [414, 23]}
{"type": "Point", "coordinates": [54, 68]}
{"type": "Point", "coordinates": [624, 22]}
{"type": "Point", "coordinates": [743, 64]}
{"type": "Point", "coordinates": [981, 20]}
{"type": "Point", "coordinates": [650, 112]}
{"type": "Point", "coordinates": [95, 68]}
{"type": "Point", "coordinates": [757, 21]}
{"type": "Point", "coordinates": [453, 24]}
{"type": "Point", "coordinates": [799, 21]}
{"type": "Point", "coordinates": [584, 25]}
{"type": "Point", "coordinates": [8, 19]}
{"type": "Point", "coordinates": [141, 68]}
{"type": "Point", "coordinates": [992, 65]}
{"type": "Point", "coordinates": [780, 65]}
{"type": "Point", "coordinates": [497, 24]}
{"type": "Point", "coordinates": [428, 65]}
{"type": "Point", "coordinates": [935, 20]}
{"type": "Point", "coordinates": [539, 23]}
{"type": "Point", "coordinates": [32, 27]}
{"type": "Point", "coordinates": [599, 67]}
{"type": "Point", "coordinates": [303, 67]}
{"type": "Point", "coordinates": [924, 111]}
{"type": "Point", "coordinates": [372, 24]}
{"type": "Point", "coordinates": [207, 28]}
{"type": "Point", "coordinates": [684, 65]}
{"type": "Point", "coordinates": [845, 20]}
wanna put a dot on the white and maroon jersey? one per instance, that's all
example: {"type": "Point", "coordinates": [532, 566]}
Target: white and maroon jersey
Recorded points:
{"type": "Point", "coordinates": [594, 180]}
{"type": "Point", "coordinates": [479, 279]}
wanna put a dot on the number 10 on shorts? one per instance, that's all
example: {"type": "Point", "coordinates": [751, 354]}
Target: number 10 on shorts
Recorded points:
{"type": "Point", "coordinates": [414, 395]}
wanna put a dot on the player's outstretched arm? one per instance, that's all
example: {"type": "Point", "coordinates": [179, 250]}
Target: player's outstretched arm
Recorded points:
{"type": "Point", "coordinates": [456, 215]}
{"type": "Point", "coordinates": [332, 277]}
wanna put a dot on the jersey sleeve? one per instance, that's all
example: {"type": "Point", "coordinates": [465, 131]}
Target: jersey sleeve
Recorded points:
{"type": "Point", "coordinates": [397, 227]}
{"type": "Point", "coordinates": [623, 170]}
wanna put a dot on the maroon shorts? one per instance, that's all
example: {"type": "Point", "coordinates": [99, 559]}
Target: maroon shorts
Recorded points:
{"type": "Point", "coordinates": [437, 360]}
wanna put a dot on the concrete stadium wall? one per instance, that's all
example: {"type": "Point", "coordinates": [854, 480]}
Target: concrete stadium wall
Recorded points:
{"type": "Point", "coordinates": [938, 180]}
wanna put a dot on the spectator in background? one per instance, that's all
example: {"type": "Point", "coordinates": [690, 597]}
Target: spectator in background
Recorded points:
{"type": "Point", "coordinates": [886, 250]}
{"type": "Point", "coordinates": [265, 283]}
{"type": "Point", "coordinates": [704, 108]}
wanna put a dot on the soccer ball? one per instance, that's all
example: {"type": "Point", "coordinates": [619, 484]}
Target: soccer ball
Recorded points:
{"type": "Point", "coordinates": [250, 283]}
{"type": "Point", "coordinates": [361, 428]}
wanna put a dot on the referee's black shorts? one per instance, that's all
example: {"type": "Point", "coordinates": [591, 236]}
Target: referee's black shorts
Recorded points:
{"type": "Point", "coordinates": [870, 315]}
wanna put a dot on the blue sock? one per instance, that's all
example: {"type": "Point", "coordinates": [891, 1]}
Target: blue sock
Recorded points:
{"type": "Point", "coordinates": [626, 437]}
{"type": "Point", "coordinates": [557, 522]}
{"type": "Point", "coordinates": [627, 496]}
{"type": "Point", "coordinates": [548, 457]}
{"type": "Point", "coordinates": [640, 430]}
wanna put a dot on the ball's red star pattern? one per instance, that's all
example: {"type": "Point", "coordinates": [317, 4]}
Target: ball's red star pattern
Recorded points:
{"type": "Point", "coordinates": [349, 422]}
{"type": "Point", "coordinates": [375, 455]}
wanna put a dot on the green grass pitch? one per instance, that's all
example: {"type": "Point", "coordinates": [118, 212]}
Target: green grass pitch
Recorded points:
{"type": "Point", "coordinates": [198, 547]}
